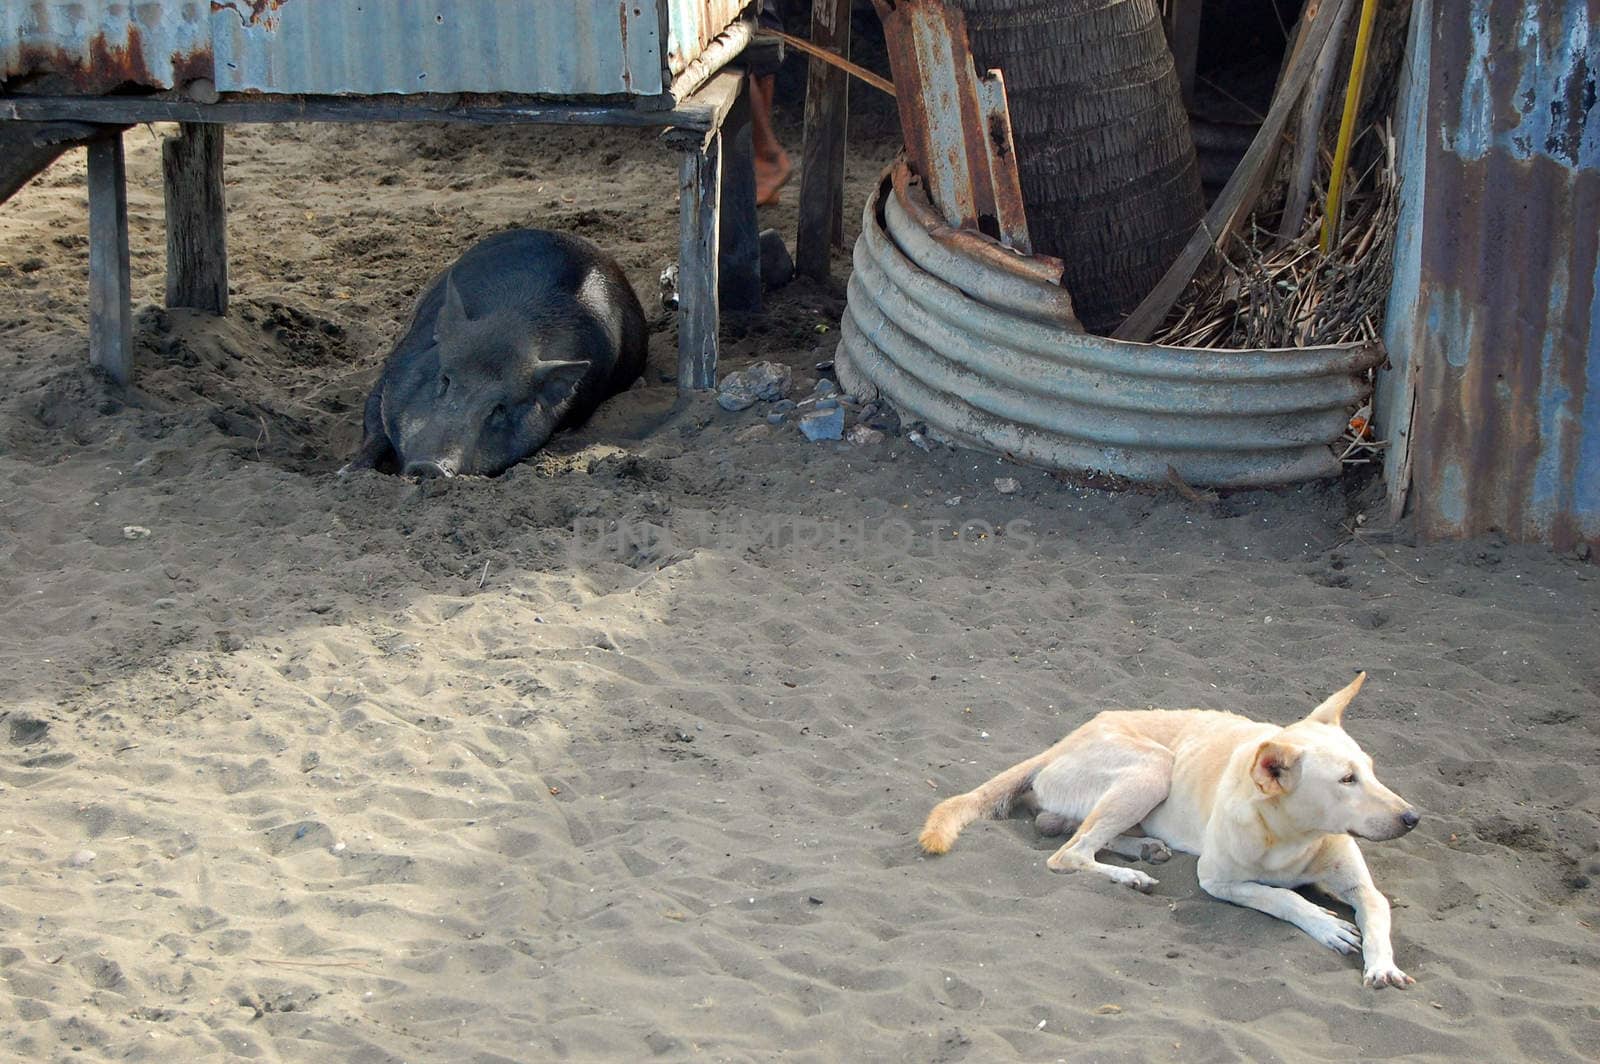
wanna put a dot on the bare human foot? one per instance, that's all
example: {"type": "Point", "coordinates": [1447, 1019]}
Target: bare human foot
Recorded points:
{"type": "Point", "coordinates": [772, 163]}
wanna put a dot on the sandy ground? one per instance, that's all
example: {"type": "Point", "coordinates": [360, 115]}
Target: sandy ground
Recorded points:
{"type": "Point", "coordinates": [622, 755]}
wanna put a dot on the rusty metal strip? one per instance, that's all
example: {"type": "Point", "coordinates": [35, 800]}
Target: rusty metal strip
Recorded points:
{"type": "Point", "coordinates": [956, 124]}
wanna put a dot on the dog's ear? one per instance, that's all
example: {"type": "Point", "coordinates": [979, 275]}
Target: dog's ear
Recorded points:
{"type": "Point", "coordinates": [1332, 709]}
{"type": "Point", "coordinates": [1274, 761]}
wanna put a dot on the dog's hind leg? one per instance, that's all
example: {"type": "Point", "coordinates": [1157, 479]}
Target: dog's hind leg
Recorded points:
{"type": "Point", "coordinates": [1133, 847]}
{"type": "Point", "coordinates": [1134, 782]}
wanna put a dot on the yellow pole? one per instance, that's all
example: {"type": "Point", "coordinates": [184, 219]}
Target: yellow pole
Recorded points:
{"type": "Point", "coordinates": [1347, 126]}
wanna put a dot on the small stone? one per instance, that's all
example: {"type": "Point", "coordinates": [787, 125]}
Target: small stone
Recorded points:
{"type": "Point", "coordinates": [823, 424]}
{"type": "Point", "coordinates": [337, 847]}
{"type": "Point", "coordinates": [825, 365]}
{"type": "Point", "coordinates": [954, 500]}
{"type": "Point", "coordinates": [1006, 485]}
{"type": "Point", "coordinates": [825, 387]}
{"type": "Point", "coordinates": [777, 265]}
{"type": "Point", "coordinates": [827, 402]}
{"type": "Point", "coordinates": [920, 440]}
{"type": "Point", "coordinates": [81, 859]}
{"type": "Point", "coordinates": [862, 435]}
{"type": "Point", "coordinates": [135, 532]}
{"type": "Point", "coordinates": [1582, 552]}
{"type": "Point", "coordinates": [764, 380]}
{"type": "Point", "coordinates": [751, 432]}
{"type": "Point", "coordinates": [777, 417]}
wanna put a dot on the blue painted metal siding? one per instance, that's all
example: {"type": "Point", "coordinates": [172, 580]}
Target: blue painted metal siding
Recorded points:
{"type": "Point", "coordinates": [362, 47]}
{"type": "Point", "coordinates": [1494, 319]}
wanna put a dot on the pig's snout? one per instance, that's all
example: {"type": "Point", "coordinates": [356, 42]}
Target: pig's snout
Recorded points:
{"type": "Point", "coordinates": [427, 468]}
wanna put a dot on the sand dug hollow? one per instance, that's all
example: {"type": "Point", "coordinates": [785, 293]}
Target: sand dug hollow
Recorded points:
{"type": "Point", "coordinates": [297, 768]}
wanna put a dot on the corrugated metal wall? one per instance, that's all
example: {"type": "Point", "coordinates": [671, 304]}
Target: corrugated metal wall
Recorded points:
{"type": "Point", "coordinates": [334, 47]}
{"type": "Point", "coordinates": [1494, 319]}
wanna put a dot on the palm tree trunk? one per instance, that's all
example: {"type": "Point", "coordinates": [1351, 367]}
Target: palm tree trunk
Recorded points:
{"type": "Point", "coordinates": [1104, 151]}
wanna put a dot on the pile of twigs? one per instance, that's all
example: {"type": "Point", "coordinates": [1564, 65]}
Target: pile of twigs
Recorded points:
{"type": "Point", "coordinates": [1268, 292]}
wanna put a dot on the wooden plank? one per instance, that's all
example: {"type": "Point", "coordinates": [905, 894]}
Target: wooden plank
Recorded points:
{"type": "Point", "coordinates": [1239, 195]}
{"type": "Point", "coordinates": [739, 244]}
{"type": "Point", "coordinates": [26, 148]}
{"type": "Point", "coordinates": [110, 284]}
{"type": "Point", "coordinates": [1183, 37]}
{"type": "Point", "coordinates": [699, 218]}
{"type": "Point", "coordinates": [822, 154]}
{"type": "Point", "coordinates": [716, 100]}
{"type": "Point", "coordinates": [693, 113]}
{"type": "Point", "coordinates": [197, 218]}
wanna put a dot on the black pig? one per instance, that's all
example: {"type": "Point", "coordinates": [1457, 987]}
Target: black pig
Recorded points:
{"type": "Point", "coordinates": [527, 333]}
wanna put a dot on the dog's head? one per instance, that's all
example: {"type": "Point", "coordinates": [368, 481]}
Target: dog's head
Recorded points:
{"type": "Point", "coordinates": [1323, 781]}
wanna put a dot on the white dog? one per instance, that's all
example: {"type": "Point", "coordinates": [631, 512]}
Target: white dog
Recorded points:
{"type": "Point", "coordinates": [1265, 808]}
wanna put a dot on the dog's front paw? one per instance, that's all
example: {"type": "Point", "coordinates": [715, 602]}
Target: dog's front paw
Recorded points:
{"type": "Point", "coordinates": [1132, 877]}
{"type": "Point", "coordinates": [1335, 933]}
{"type": "Point", "coordinates": [1379, 975]}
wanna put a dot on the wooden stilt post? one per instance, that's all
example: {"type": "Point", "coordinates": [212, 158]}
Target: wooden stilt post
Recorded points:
{"type": "Point", "coordinates": [110, 283]}
{"type": "Point", "coordinates": [1183, 37]}
{"type": "Point", "coordinates": [740, 246]}
{"type": "Point", "coordinates": [822, 161]}
{"type": "Point", "coordinates": [699, 198]}
{"type": "Point", "coordinates": [197, 233]}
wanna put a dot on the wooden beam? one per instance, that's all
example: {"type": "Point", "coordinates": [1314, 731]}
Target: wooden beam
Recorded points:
{"type": "Point", "coordinates": [110, 284]}
{"type": "Point", "coordinates": [693, 113]}
{"type": "Point", "coordinates": [822, 159]}
{"type": "Point", "coordinates": [26, 148]}
{"type": "Point", "coordinates": [699, 224]}
{"type": "Point", "coordinates": [739, 243]}
{"type": "Point", "coordinates": [714, 102]}
{"type": "Point", "coordinates": [197, 218]}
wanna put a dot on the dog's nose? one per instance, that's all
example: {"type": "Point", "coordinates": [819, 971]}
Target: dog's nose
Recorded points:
{"type": "Point", "coordinates": [1409, 818]}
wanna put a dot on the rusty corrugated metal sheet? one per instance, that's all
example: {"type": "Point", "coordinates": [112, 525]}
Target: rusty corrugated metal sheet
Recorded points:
{"type": "Point", "coordinates": [359, 47]}
{"type": "Point", "coordinates": [956, 122]}
{"type": "Point", "coordinates": [1495, 311]}
{"type": "Point", "coordinates": [99, 45]}
{"type": "Point", "coordinates": [693, 24]}
{"type": "Point", "coordinates": [989, 355]}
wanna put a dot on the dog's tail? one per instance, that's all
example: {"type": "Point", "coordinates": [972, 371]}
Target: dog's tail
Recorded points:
{"type": "Point", "coordinates": [992, 800]}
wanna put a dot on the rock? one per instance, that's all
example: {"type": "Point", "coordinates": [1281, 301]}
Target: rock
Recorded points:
{"type": "Point", "coordinates": [777, 417]}
{"type": "Point", "coordinates": [763, 381]}
{"type": "Point", "coordinates": [81, 859]}
{"type": "Point", "coordinates": [827, 403]}
{"type": "Point", "coordinates": [783, 406]}
{"type": "Point", "coordinates": [919, 439]}
{"type": "Point", "coordinates": [777, 266]}
{"type": "Point", "coordinates": [825, 387]}
{"type": "Point", "coordinates": [825, 365]}
{"type": "Point", "coordinates": [862, 435]}
{"type": "Point", "coordinates": [752, 432]}
{"type": "Point", "coordinates": [135, 532]}
{"type": "Point", "coordinates": [1006, 485]}
{"type": "Point", "coordinates": [954, 500]}
{"type": "Point", "coordinates": [885, 421]}
{"type": "Point", "coordinates": [823, 424]}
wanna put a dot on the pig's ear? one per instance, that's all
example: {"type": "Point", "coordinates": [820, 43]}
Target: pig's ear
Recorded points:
{"type": "Point", "coordinates": [452, 315]}
{"type": "Point", "coordinates": [547, 368]}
